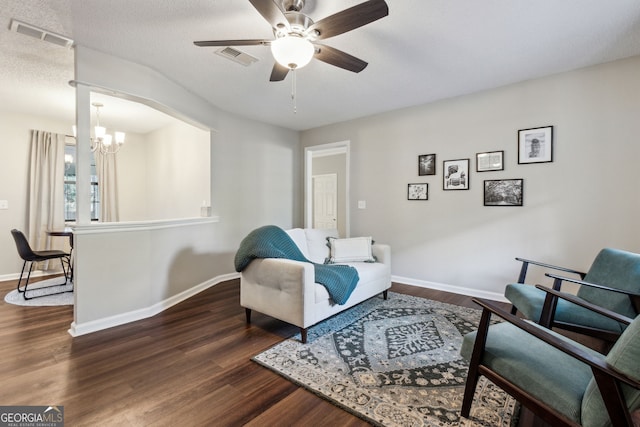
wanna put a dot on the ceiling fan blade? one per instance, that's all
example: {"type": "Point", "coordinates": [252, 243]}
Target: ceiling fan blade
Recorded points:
{"type": "Point", "coordinates": [270, 11]}
{"type": "Point", "coordinates": [339, 58]}
{"type": "Point", "coordinates": [350, 19]}
{"type": "Point", "coordinates": [278, 73]}
{"type": "Point", "coordinates": [251, 42]}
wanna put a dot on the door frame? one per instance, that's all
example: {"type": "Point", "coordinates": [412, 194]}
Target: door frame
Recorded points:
{"type": "Point", "coordinates": [342, 147]}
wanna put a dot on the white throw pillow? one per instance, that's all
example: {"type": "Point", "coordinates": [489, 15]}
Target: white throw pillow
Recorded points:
{"type": "Point", "coordinates": [355, 249]}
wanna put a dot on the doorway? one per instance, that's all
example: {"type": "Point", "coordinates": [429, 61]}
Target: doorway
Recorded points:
{"type": "Point", "coordinates": [325, 201]}
{"type": "Point", "coordinates": [320, 161]}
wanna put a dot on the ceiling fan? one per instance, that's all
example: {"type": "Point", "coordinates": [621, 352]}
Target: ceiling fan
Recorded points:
{"type": "Point", "coordinates": [296, 35]}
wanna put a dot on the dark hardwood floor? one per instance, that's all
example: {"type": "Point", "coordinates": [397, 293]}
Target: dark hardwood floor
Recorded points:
{"type": "Point", "coordinates": [186, 366]}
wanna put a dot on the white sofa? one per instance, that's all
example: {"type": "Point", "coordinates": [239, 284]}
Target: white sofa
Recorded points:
{"type": "Point", "coordinates": [287, 290]}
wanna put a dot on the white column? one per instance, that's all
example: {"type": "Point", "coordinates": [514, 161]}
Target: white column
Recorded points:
{"type": "Point", "coordinates": [83, 153]}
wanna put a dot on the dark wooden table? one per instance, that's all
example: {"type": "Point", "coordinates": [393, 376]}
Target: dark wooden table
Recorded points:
{"type": "Point", "coordinates": [65, 232]}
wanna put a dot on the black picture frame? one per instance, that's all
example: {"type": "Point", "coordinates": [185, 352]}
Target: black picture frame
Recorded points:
{"type": "Point", "coordinates": [535, 145]}
{"type": "Point", "coordinates": [455, 174]}
{"type": "Point", "coordinates": [426, 164]}
{"type": "Point", "coordinates": [418, 191]}
{"type": "Point", "coordinates": [504, 192]}
{"type": "Point", "coordinates": [490, 161]}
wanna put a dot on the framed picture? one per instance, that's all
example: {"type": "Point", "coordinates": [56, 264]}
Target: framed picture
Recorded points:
{"type": "Point", "coordinates": [490, 161]}
{"type": "Point", "coordinates": [503, 192]}
{"type": "Point", "coordinates": [418, 192]}
{"type": "Point", "coordinates": [455, 174]}
{"type": "Point", "coordinates": [535, 145]}
{"type": "Point", "coordinates": [427, 164]}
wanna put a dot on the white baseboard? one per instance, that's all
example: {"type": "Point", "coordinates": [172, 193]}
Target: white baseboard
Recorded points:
{"type": "Point", "coordinates": [34, 273]}
{"type": "Point", "coordinates": [132, 316]}
{"type": "Point", "coordinates": [450, 288]}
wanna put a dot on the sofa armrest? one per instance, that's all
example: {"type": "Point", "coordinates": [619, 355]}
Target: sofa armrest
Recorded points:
{"type": "Point", "coordinates": [382, 253]}
{"type": "Point", "coordinates": [280, 288]}
{"type": "Point", "coordinates": [279, 273]}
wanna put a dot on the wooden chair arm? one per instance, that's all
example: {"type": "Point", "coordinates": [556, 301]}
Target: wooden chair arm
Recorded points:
{"type": "Point", "coordinates": [526, 262]}
{"type": "Point", "coordinates": [593, 285]}
{"type": "Point", "coordinates": [597, 363]}
{"type": "Point", "coordinates": [582, 303]}
{"type": "Point", "coordinates": [557, 282]}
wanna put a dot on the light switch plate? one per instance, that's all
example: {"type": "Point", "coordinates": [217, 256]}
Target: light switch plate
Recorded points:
{"type": "Point", "coordinates": [4, 204]}
{"type": "Point", "coordinates": [362, 204]}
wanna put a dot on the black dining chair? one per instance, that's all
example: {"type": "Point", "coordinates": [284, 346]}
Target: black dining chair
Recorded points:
{"type": "Point", "coordinates": [30, 256]}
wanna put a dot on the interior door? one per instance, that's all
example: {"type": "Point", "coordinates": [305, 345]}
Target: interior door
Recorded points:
{"type": "Point", "coordinates": [325, 201]}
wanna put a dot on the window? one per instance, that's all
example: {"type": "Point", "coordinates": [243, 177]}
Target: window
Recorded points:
{"type": "Point", "coordinates": [70, 186]}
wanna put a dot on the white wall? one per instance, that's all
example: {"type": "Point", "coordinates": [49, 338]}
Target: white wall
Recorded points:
{"type": "Point", "coordinates": [178, 171]}
{"type": "Point", "coordinates": [164, 174]}
{"type": "Point", "coordinates": [184, 151]}
{"type": "Point", "coordinates": [128, 271]}
{"type": "Point", "coordinates": [255, 172]}
{"type": "Point", "coordinates": [133, 192]}
{"type": "Point", "coordinates": [585, 200]}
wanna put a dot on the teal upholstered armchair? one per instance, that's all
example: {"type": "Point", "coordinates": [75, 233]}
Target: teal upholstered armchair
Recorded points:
{"type": "Point", "coordinates": [563, 382]}
{"type": "Point", "coordinates": [613, 282]}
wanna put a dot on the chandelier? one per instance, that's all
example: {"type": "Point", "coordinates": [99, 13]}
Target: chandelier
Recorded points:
{"type": "Point", "coordinates": [103, 141]}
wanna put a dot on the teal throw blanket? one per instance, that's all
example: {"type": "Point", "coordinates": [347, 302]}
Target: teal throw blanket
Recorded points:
{"type": "Point", "coordinates": [271, 241]}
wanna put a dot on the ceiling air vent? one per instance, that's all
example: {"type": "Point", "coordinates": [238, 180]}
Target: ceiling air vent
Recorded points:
{"type": "Point", "coordinates": [39, 33]}
{"type": "Point", "coordinates": [236, 56]}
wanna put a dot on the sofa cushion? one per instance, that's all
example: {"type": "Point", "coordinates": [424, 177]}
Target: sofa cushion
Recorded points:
{"type": "Point", "coordinates": [355, 249]}
{"type": "Point", "coordinates": [317, 243]}
{"type": "Point", "coordinates": [299, 237]}
{"type": "Point", "coordinates": [367, 272]}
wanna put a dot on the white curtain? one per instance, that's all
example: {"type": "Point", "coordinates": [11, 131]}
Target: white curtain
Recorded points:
{"type": "Point", "coordinates": [46, 189]}
{"type": "Point", "coordinates": [108, 186]}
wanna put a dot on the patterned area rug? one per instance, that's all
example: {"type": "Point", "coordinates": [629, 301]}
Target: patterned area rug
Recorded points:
{"type": "Point", "coordinates": [393, 363]}
{"type": "Point", "coordinates": [45, 297]}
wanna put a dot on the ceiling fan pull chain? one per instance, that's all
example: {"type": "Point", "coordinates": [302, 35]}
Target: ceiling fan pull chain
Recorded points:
{"type": "Point", "coordinates": [293, 91]}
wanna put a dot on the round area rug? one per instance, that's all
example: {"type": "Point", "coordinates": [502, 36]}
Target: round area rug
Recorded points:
{"type": "Point", "coordinates": [66, 298]}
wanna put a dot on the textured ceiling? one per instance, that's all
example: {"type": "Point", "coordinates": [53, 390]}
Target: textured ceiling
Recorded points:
{"type": "Point", "coordinates": [425, 50]}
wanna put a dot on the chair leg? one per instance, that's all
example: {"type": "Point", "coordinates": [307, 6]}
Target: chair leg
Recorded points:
{"type": "Point", "coordinates": [247, 314]}
{"type": "Point", "coordinates": [23, 291]}
{"type": "Point", "coordinates": [65, 271]}
{"type": "Point", "coordinates": [68, 275]}
{"type": "Point", "coordinates": [303, 335]}
{"type": "Point", "coordinates": [69, 271]}
{"type": "Point", "coordinates": [69, 261]}
{"type": "Point", "coordinates": [476, 358]}
{"type": "Point", "coordinates": [469, 392]}
{"type": "Point", "coordinates": [385, 295]}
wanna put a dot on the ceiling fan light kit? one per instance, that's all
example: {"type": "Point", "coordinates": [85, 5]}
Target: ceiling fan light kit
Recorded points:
{"type": "Point", "coordinates": [295, 34]}
{"type": "Point", "coordinates": [292, 51]}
